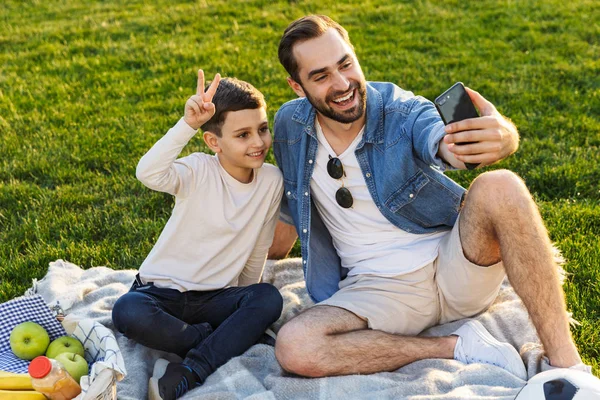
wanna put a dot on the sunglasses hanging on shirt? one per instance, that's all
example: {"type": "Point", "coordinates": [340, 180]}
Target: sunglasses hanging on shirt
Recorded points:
{"type": "Point", "coordinates": [335, 169]}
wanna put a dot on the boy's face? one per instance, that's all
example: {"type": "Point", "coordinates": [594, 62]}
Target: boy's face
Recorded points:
{"type": "Point", "coordinates": [244, 142]}
{"type": "Point", "coordinates": [330, 77]}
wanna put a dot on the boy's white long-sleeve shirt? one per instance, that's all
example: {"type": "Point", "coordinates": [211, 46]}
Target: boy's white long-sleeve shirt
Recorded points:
{"type": "Point", "coordinates": [220, 229]}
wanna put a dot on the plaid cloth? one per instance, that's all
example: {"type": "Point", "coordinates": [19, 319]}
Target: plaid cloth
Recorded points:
{"type": "Point", "coordinates": [101, 351]}
{"type": "Point", "coordinates": [16, 311]}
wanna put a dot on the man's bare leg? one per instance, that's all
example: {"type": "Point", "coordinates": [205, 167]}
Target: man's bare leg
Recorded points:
{"type": "Point", "coordinates": [326, 341]}
{"type": "Point", "coordinates": [500, 220]}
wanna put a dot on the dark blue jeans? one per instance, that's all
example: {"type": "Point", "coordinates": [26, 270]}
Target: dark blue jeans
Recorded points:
{"type": "Point", "coordinates": [205, 328]}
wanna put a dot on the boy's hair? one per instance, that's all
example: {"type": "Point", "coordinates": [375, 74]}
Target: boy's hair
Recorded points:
{"type": "Point", "coordinates": [232, 95]}
{"type": "Point", "coordinates": [302, 29]}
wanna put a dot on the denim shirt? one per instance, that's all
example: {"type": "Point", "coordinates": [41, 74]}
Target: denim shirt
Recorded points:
{"type": "Point", "coordinates": [398, 158]}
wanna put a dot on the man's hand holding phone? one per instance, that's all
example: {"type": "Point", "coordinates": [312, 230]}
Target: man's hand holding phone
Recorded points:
{"type": "Point", "coordinates": [481, 140]}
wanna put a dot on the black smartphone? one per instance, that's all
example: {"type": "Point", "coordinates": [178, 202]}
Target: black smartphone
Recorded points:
{"type": "Point", "coordinates": [455, 105]}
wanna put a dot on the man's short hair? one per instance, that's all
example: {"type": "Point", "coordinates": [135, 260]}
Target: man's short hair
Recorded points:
{"type": "Point", "coordinates": [302, 29]}
{"type": "Point", "coordinates": [232, 95]}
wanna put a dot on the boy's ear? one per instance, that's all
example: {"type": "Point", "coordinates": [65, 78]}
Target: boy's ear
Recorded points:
{"type": "Point", "coordinates": [296, 87]}
{"type": "Point", "coordinates": [212, 141]}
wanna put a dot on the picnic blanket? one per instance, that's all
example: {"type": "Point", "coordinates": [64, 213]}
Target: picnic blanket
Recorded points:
{"type": "Point", "coordinates": [256, 374]}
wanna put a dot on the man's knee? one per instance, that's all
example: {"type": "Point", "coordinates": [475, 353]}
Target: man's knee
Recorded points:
{"type": "Point", "coordinates": [500, 189]}
{"type": "Point", "coordinates": [297, 349]}
{"type": "Point", "coordinates": [501, 180]}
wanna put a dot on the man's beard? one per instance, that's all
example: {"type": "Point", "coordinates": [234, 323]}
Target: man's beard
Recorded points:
{"type": "Point", "coordinates": [346, 116]}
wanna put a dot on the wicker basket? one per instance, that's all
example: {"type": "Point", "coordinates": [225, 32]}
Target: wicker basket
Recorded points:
{"type": "Point", "coordinates": [104, 387]}
{"type": "Point", "coordinates": [98, 341]}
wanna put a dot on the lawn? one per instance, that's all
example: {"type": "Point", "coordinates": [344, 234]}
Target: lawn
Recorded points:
{"type": "Point", "coordinates": [87, 87]}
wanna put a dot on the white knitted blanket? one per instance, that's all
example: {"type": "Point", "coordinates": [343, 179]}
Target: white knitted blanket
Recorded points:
{"type": "Point", "coordinates": [256, 374]}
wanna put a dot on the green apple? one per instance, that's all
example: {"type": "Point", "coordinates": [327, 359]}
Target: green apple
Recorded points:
{"type": "Point", "coordinates": [29, 340]}
{"type": "Point", "coordinates": [74, 364]}
{"type": "Point", "coordinates": [64, 344]}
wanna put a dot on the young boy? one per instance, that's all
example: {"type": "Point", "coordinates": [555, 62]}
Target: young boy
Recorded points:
{"type": "Point", "coordinates": [197, 293]}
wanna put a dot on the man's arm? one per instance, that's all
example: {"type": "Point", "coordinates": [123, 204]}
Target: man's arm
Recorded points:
{"type": "Point", "coordinates": [256, 262]}
{"type": "Point", "coordinates": [285, 237]}
{"type": "Point", "coordinates": [495, 137]}
{"type": "Point", "coordinates": [285, 232]}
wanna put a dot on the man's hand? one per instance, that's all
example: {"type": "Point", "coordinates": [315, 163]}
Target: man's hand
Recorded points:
{"type": "Point", "coordinates": [199, 108]}
{"type": "Point", "coordinates": [283, 240]}
{"type": "Point", "coordinates": [495, 136]}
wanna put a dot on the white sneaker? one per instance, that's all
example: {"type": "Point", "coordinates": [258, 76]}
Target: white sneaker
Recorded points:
{"type": "Point", "coordinates": [476, 345]}
{"type": "Point", "coordinates": [160, 367]}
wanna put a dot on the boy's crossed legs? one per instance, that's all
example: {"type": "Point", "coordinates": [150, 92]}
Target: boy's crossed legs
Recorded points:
{"type": "Point", "coordinates": [499, 221]}
{"type": "Point", "coordinates": [206, 329]}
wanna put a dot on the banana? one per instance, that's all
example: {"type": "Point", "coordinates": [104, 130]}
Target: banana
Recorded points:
{"type": "Point", "coordinates": [11, 381]}
{"type": "Point", "coordinates": [21, 395]}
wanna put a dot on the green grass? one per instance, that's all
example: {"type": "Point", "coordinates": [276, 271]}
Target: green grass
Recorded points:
{"type": "Point", "coordinates": [87, 87]}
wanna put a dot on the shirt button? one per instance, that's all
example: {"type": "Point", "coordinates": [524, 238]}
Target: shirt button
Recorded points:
{"type": "Point", "coordinates": [306, 193]}
{"type": "Point", "coordinates": [368, 175]}
{"type": "Point", "coordinates": [411, 195]}
{"type": "Point", "coordinates": [289, 193]}
{"type": "Point", "coordinates": [304, 231]}
{"type": "Point", "coordinates": [310, 161]}
{"type": "Point", "coordinates": [304, 261]}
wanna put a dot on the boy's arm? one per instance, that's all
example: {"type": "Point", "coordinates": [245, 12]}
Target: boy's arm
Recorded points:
{"type": "Point", "coordinates": [254, 266]}
{"type": "Point", "coordinates": [158, 168]}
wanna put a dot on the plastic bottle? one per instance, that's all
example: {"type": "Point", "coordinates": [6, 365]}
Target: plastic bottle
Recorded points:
{"type": "Point", "coordinates": [50, 378]}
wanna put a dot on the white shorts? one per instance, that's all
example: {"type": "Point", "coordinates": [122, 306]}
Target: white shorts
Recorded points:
{"type": "Point", "coordinates": [449, 288]}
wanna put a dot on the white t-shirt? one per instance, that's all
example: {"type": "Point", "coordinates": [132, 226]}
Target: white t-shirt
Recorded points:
{"type": "Point", "coordinates": [365, 240]}
{"type": "Point", "coordinates": [220, 229]}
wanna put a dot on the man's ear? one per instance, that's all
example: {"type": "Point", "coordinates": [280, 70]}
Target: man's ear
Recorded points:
{"type": "Point", "coordinates": [212, 141]}
{"type": "Point", "coordinates": [296, 87]}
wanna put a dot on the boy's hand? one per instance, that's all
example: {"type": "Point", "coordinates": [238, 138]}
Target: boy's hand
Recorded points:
{"type": "Point", "coordinates": [199, 108]}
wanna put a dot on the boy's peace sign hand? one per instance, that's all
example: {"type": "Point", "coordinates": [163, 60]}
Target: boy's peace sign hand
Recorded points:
{"type": "Point", "coordinates": [199, 108]}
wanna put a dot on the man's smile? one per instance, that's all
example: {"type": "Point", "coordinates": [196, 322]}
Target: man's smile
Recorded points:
{"type": "Point", "coordinates": [345, 100]}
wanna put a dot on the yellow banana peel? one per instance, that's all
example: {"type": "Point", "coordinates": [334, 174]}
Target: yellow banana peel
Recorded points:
{"type": "Point", "coordinates": [21, 395]}
{"type": "Point", "coordinates": [11, 381]}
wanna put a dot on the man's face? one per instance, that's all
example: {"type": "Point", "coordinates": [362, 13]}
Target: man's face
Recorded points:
{"type": "Point", "coordinates": [245, 140]}
{"type": "Point", "coordinates": [331, 77]}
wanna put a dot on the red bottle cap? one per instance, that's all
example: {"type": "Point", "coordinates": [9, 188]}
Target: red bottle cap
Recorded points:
{"type": "Point", "coordinates": [39, 367]}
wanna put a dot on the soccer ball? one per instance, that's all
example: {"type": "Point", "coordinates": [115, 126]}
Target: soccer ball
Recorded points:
{"type": "Point", "coordinates": [561, 384]}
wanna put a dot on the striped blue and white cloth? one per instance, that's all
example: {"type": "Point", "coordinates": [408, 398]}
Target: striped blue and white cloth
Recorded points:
{"type": "Point", "coordinates": [23, 309]}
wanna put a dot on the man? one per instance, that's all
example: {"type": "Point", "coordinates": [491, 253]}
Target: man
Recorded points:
{"type": "Point", "coordinates": [390, 245]}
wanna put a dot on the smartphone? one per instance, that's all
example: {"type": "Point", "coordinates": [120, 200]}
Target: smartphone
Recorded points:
{"type": "Point", "coordinates": [455, 105]}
